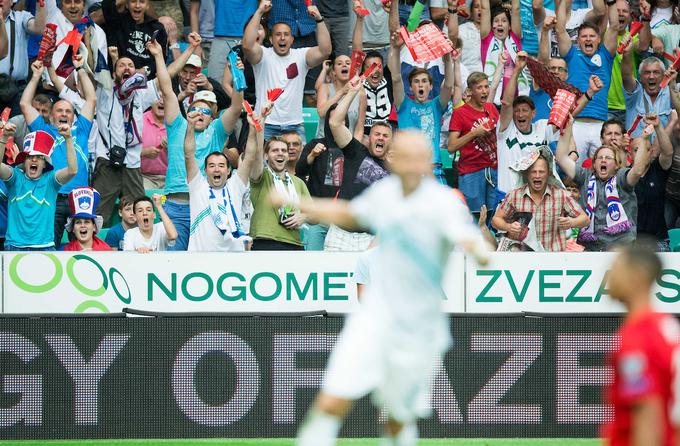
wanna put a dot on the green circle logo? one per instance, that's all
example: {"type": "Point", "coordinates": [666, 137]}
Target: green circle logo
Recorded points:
{"type": "Point", "coordinates": [79, 286]}
{"type": "Point", "coordinates": [33, 288]}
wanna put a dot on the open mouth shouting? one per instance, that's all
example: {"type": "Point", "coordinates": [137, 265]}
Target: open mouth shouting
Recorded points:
{"type": "Point", "coordinates": [33, 169]}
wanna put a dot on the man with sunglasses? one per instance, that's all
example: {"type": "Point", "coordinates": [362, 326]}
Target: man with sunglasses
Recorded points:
{"type": "Point", "coordinates": [211, 133]}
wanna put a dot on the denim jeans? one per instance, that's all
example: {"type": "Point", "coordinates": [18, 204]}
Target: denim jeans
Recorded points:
{"type": "Point", "coordinates": [23, 248]}
{"type": "Point", "coordinates": [218, 56]}
{"type": "Point", "coordinates": [313, 236]}
{"type": "Point", "coordinates": [181, 217]}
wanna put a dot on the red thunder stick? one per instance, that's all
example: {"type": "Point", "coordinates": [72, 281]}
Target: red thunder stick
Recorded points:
{"type": "Point", "coordinates": [635, 28]}
{"type": "Point", "coordinates": [308, 2]}
{"type": "Point", "coordinates": [249, 110]}
{"type": "Point", "coordinates": [634, 125]}
{"type": "Point", "coordinates": [274, 93]}
{"type": "Point", "coordinates": [374, 66]}
{"type": "Point", "coordinates": [668, 57]}
{"type": "Point", "coordinates": [8, 150]}
{"type": "Point", "coordinates": [4, 117]}
{"type": "Point", "coordinates": [357, 60]}
{"type": "Point", "coordinates": [675, 66]}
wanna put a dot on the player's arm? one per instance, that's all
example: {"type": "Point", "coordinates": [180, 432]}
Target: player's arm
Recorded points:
{"type": "Point", "coordinates": [646, 423]}
{"type": "Point", "coordinates": [326, 210]}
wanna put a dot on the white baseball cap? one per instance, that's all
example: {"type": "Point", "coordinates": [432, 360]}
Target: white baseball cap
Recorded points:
{"type": "Point", "coordinates": [195, 61]}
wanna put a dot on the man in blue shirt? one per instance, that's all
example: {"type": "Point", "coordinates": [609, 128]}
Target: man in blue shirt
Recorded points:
{"type": "Point", "coordinates": [32, 190]}
{"type": "Point", "coordinates": [420, 112]}
{"type": "Point", "coordinates": [590, 55]}
{"type": "Point", "coordinates": [211, 135]}
{"type": "Point", "coordinates": [63, 113]}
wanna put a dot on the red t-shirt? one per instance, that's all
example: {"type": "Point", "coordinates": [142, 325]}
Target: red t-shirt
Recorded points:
{"type": "Point", "coordinates": [480, 152]}
{"type": "Point", "coordinates": [644, 367]}
{"type": "Point", "coordinates": [97, 245]}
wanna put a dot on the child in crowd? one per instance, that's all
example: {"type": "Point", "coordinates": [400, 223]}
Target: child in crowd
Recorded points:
{"type": "Point", "coordinates": [147, 236]}
{"type": "Point", "coordinates": [84, 223]}
{"type": "Point", "coordinates": [114, 238]}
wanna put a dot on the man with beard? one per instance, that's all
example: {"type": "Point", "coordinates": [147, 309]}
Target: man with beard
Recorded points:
{"type": "Point", "coordinates": [276, 228]}
{"type": "Point", "coordinates": [211, 133]}
{"type": "Point", "coordinates": [32, 187]}
{"type": "Point", "coordinates": [63, 113]}
{"type": "Point", "coordinates": [120, 119]}
{"type": "Point", "coordinates": [283, 67]}
{"type": "Point", "coordinates": [215, 200]}
{"type": "Point", "coordinates": [608, 191]}
{"type": "Point", "coordinates": [552, 209]}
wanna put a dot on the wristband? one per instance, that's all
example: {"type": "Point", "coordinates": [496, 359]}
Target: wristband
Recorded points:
{"type": "Point", "coordinates": [453, 11]}
{"type": "Point", "coordinates": [611, 2]}
{"type": "Point", "coordinates": [80, 68]}
{"type": "Point", "coordinates": [174, 46]}
{"type": "Point", "coordinates": [573, 151]}
{"type": "Point", "coordinates": [319, 21]}
{"type": "Point", "coordinates": [590, 98]}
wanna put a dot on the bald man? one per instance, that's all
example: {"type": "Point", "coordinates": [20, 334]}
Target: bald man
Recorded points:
{"type": "Point", "coordinates": [393, 344]}
{"type": "Point", "coordinates": [645, 364]}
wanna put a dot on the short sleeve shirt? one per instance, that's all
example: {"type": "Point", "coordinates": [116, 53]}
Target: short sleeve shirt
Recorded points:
{"type": "Point", "coordinates": [31, 209]}
{"type": "Point", "coordinates": [427, 117]}
{"type": "Point", "coordinates": [581, 67]}
{"type": "Point", "coordinates": [134, 239]}
{"type": "Point", "coordinates": [287, 72]}
{"type": "Point", "coordinates": [479, 153]}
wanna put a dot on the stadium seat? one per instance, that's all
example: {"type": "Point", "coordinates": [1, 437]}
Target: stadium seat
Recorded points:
{"type": "Point", "coordinates": [674, 239]}
{"type": "Point", "coordinates": [311, 120]}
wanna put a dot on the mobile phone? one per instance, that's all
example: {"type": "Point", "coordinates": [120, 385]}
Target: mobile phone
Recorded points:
{"type": "Point", "coordinates": [154, 35]}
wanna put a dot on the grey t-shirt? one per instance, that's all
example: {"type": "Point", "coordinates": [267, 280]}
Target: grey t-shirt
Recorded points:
{"type": "Point", "coordinates": [628, 198]}
{"type": "Point", "coordinates": [376, 31]}
{"type": "Point", "coordinates": [333, 8]}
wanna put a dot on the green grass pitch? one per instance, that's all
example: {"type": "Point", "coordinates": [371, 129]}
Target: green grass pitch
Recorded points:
{"type": "Point", "coordinates": [290, 442]}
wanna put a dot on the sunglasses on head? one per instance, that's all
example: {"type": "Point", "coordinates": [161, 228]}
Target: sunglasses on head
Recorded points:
{"type": "Point", "coordinates": [204, 110]}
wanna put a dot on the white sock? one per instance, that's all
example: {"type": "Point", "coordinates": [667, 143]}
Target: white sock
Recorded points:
{"type": "Point", "coordinates": [318, 429]}
{"type": "Point", "coordinates": [407, 436]}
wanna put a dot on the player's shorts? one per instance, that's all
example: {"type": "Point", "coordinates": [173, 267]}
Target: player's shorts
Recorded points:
{"type": "Point", "coordinates": [371, 357]}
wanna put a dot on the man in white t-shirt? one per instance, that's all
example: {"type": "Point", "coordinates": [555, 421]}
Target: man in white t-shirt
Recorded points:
{"type": "Point", "coordinates": [147, 236]}
{"type": "Point", "coordinates": [283, 67]}
{"type": "Point", "coordinates": [392, 345]}
{"type": "Point", "coordinates": [216, 200]}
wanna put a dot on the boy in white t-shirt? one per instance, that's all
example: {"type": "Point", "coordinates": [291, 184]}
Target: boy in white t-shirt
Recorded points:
{"type": "Point", "coordinates": [147, 236]}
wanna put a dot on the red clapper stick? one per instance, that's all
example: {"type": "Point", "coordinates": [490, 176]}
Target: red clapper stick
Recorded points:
{"type": "Point", "coordinates": [635, 28]}
{"type": "Point", "coordinates": [374, 66]}
{"type": "Point", "coordinates": [249, 110]}
{"type": "Point", "coordinates": [675, 66]}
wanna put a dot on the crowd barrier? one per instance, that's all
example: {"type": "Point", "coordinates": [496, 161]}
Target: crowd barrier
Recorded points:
{"type": "Point", "coordinates": [112, 376]}
{"type": "Point", "coordinates": [293, 282]}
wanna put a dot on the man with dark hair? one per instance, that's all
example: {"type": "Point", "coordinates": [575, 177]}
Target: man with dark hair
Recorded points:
{"type": "Point", "coordinates": [379, 97]}
{"type": "Point", "coordinates": [643, 391]}
{"type": "Point", "coordinates": [283, 67]}
{"type": "Point", "coordinates": [552, 209]}
{"type": "Point", "coordinates": [149, 236]}
{"type": "Point", "coordinates": [215, 200]}
{"type": "Point", "coordinates": [42, 104]}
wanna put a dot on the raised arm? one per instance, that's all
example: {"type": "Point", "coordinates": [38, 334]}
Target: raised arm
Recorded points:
{"type": "Point", "coordinates": [453, 20]}
{"type": "Point", "coordinates": [544, 50]}
{"type": "Point", "coordinates": [169, 226]}
{"type": "Point", "coordinates": [497, 74]}
{"type": "Point", "coordinates": [567, 164]}
{"type": "Point", "coordinates": [447, 86]}
{"type": "Point", "coordinates": [190, 145]}
{"type": "Point", "coordinates": [65, 175]}
{"type": "Point", "coordinates": [485, 23]}
{"type": "Point", "coordinates": [516, 19]}
{"type": "Point", "coordinates": [194, 10]}
{"type": "Point", "coordinates": [358, 33]}
{"type": "Point", "coordinates": [563, 39]}
{"type": "Point", "coordinates": [675, 96]}
{"type": "Point", "coordinates": [253, 159]}
{"type": "Point", "coordinates": [233, 113]}
{"type": "Point", "coordinates": [394, 64]}
{"type": "Point", "coordinates": [170, 102]}
{"type": "Point", "coordinates": [36, 26]}
{"type": "Point", "coordinates": [509, 92]}
{"type": "Point", "coordinates": [627, 75]}
{"type": "Point", "coordinates": [3, 44]}
{"type": "Point", "coordinates": [29, 112]}
{"type": "Point", "coordinates": [457, 95]}
{"type": "Point", "coordinates": [538, 12]}
{"type": "Point", "coordinates": [316, 55]}
{"type": "Point", "coordinates": [177, 65]}
{"type": "Point", "coordinates": [88, 109]}
{"type": "Point", "coordinates": [642, 158]}
{"type": "Point", "coordinates": [359, 126]}
{"type": "Point", "coordinates": [594, 86]}
{"type": "Point", "coordinates": [662, 138]}
{"type": "Point", "coordinates": [8, 130]}
{"type": "Point", "coordinates": [252, 49]}
{"type": "Point", "coordinates": [598, 11]}
{"type": "Point", "coordinates": [341, 134]}
{"type": "Point", "coordinates": [612, 32]}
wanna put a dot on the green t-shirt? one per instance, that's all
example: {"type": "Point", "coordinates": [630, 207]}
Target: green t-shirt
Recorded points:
{"type": "Point", "coordinates": [615, 100]}
{"type": "Point", "coordinates": [265, 222]}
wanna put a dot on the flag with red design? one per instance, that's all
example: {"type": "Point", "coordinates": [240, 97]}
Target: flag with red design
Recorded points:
{"type": "Point", "coordinates": [548, 81]}
{"type": "Point", "coordinates": [426, 43]}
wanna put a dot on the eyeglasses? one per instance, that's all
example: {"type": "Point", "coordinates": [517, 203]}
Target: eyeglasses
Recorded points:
{"type": "Point", "coordinates": [605, 158]}
{"type": "Point", "coordinates": [203, 110]}
{"type": "Point", "coordinates": [561, 69]}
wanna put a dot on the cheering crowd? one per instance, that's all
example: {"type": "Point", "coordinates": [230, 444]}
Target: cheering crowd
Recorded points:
{"type": "Point", "coordinates": [169, 125]}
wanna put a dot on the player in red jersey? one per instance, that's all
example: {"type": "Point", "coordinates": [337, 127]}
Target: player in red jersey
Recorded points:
{"type": "Point", "coordinates": [646, 383]}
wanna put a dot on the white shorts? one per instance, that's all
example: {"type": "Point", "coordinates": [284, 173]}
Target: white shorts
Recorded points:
{"type": "Point", "coordinates": [368, 357]}
{"type": "Point", "coordinates": [587, 139]}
